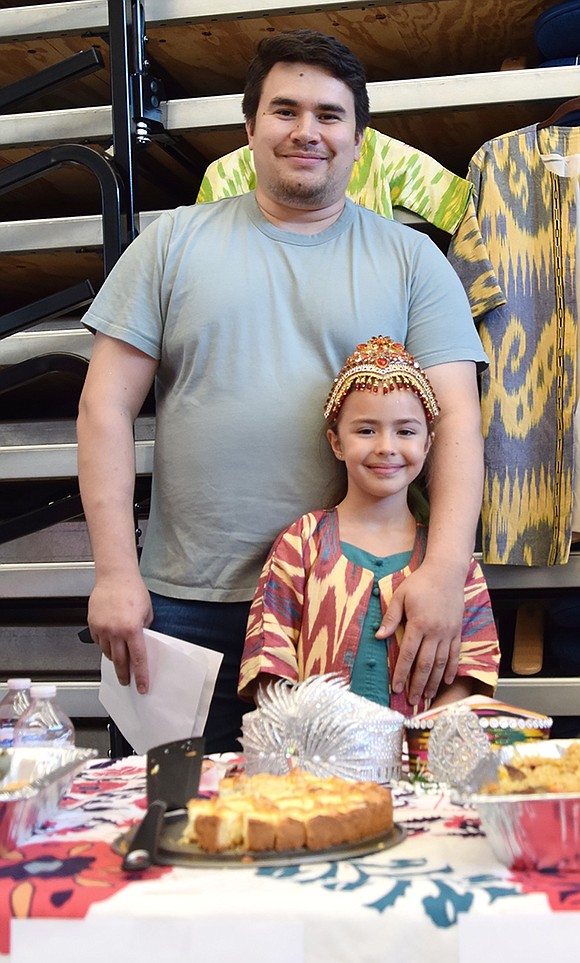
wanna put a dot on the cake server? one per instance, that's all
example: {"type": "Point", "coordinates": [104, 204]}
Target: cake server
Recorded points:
{"type": "Point", "coordinates": [173, 773]}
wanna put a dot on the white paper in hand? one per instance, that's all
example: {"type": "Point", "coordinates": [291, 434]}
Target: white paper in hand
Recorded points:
{"type": "Point", "coordinates": [181, 683]}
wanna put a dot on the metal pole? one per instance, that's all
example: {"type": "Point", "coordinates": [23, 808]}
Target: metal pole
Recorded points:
{"type": "Point", "coordinates": [124, 134]}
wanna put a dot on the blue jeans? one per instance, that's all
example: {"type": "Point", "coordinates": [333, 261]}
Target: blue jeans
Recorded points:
{"type": "Point", "coordinates": [220, 626]}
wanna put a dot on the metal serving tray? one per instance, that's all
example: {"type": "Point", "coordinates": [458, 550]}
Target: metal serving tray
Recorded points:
{"type": "Point", "coordinates": [172, 851]}
{"type": "Point", "coordinates": [539, 831]}
{"type": "Point", "coordinates": [32, 786]}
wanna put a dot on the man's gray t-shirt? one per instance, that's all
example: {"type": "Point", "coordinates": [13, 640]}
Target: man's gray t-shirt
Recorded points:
{"type": "Point", "coordinates": [251, 324]}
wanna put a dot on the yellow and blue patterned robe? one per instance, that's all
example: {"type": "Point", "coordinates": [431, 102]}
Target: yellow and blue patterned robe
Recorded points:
{"type": "Point", "coordinates": [308, 611]}
{"type": "Point", "coordinates": [516, 255]}
{"type": "Point", "coordinates": [388, 174]}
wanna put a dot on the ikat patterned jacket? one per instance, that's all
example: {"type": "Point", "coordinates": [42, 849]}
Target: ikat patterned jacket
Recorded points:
{"type": "Point", "coordinates": [310, 606]}
{"type": "Point", "coordinates": [516, 253]}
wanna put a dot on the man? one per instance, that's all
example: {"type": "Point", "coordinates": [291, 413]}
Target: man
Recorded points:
{"type": "Point", "coordinates": [240, 311]}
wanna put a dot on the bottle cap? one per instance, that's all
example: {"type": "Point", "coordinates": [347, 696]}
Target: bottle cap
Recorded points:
{"type": "Point", "coordinates": [19, 683]}
{"type": "Point", "coordinates": [42, 691]}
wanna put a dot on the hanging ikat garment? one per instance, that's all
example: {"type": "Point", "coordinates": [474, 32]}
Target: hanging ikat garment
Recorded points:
{"type": "Point", "coordinates": [516, 253]}
{"type": "Point", "coordinates": [388, 174]}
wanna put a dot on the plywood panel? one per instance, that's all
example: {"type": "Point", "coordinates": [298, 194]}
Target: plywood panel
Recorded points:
{"type": "Point", "coordinates": [394, 42]}
{"type": "Point", "coordinates": [401, 41]}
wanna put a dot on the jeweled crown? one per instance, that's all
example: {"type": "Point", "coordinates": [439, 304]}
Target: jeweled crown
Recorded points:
{"type": "Point", "coordinates": [378, 363]}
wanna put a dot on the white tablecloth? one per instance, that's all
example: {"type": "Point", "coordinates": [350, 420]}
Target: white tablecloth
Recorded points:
{"type": "Point", "coordinates": [406, 904]}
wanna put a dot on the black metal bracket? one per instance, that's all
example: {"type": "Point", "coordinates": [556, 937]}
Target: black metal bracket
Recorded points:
{"type": "Point", "coordinates": [45, 309]}
{"type": "Point", "coordinates": [79, 65]}
{"type": "Point", "coordinates": [23, 373]}
{"type": "Point", "coordinates": [60, 510]}
{"type": "Point", "coordinates": [135, 95]}
{"type": "Point", "coordinates": [64, 509]}
{"type": "Point", "coordinates": [116, 233]}
{"type": "Point", "coordinates": [147, 91]}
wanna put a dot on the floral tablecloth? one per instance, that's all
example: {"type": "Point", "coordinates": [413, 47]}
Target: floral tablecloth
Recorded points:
{"type": "Point", "coordinates": [409, 898]}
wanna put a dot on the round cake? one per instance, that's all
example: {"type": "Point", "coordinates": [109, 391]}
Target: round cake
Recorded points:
{"type": "Point", "coordinates": [260, 813]}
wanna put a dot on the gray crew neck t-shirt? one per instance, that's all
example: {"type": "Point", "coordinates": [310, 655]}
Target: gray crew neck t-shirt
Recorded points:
{"type": "Point", "coordinates": [250, 324]}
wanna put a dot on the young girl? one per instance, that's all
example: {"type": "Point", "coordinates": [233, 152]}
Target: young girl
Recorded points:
{"type": "Point", "coordinates": [330, 576]}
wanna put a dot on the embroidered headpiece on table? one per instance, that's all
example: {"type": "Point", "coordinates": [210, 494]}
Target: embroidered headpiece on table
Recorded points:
{"type": "Point", "coordinates": [381, 363]}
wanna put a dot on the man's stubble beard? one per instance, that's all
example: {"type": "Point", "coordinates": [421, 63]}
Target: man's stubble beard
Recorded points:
{"type": "Point", "coordinates": [301, 193]}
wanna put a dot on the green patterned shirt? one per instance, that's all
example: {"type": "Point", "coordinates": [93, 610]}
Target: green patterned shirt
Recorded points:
{"type": "Point", "coordinates": [388, 174]}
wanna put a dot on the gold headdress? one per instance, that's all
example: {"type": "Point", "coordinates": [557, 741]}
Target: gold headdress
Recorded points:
{"type": "Point", "coordinates": [381, 362]}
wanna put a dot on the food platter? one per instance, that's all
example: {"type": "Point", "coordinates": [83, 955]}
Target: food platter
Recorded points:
{"type": "Point", "coordinates": [172, 852]}
{"type": "Point", "coordinates": [33, 782]}
{"type": "Point", "coordinates": [537, 831]}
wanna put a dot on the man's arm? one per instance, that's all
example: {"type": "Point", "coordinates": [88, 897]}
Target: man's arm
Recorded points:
{"type": "Point", "coordinates": [117, 383]}
{"type": "Point", "coordinates": [431, 600]}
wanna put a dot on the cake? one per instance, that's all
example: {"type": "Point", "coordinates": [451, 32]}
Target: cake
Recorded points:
{"type": "Point", "coordinates": [281, 813]}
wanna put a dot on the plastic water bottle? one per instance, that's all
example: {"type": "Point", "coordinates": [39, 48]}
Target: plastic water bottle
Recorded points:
{"type": "Point", "coordinates": [44, 723]}
{"type": "Point", "coordinates": [13, 705]}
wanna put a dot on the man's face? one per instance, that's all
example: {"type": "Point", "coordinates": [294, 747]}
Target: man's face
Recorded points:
{"type": "Point", "coordinates": [304, 139]}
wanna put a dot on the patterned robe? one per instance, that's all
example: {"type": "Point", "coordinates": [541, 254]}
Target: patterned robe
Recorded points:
{"type": "Point", "coordinates": [388, 174]}
{"type": "Point", "coordinates": [311, 601]}
{"type": "Point", "coordinates": [516, 254]}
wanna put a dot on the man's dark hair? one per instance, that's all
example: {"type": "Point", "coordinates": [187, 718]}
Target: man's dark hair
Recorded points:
{"type": "Point", "coordinates": [307, 47]}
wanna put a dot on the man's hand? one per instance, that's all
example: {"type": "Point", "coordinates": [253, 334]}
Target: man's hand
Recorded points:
{"type": "Point", "coordinates": [430, 604]}
{"type": "Point", "coordinates": [119, 609]}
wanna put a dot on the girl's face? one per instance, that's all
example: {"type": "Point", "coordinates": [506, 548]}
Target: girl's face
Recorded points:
{"type": "Point", "coordinates": [383, 440]}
